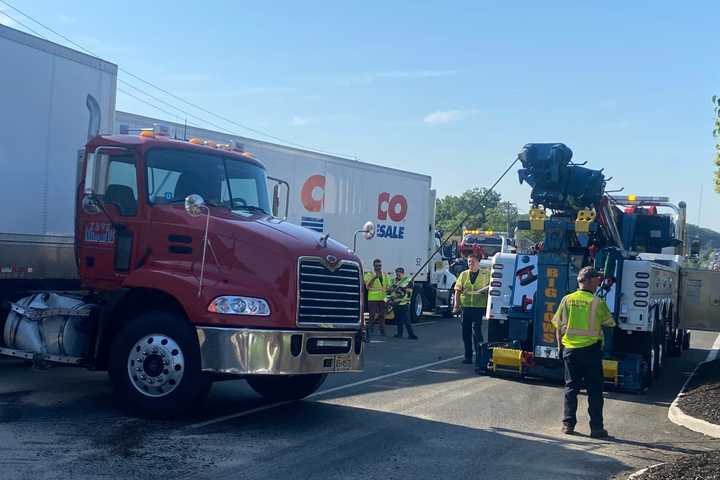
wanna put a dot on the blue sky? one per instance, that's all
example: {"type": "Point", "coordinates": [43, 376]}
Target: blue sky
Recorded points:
{"type": "Point", "coordinates": [453, 91]}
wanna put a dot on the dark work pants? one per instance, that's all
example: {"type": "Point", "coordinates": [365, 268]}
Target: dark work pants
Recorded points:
{"type": "Point", "coordinates": [584, 365]}
{"type": "Point", "coordinates": [376, 309]}
{"type": "Point", "coordinates": [471, 328]}
{"type": "Point", "coordinates": [402, 318]}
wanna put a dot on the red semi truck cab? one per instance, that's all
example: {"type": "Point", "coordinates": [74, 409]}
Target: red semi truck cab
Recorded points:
{"type": "Point", "coordinates": [195, 279]}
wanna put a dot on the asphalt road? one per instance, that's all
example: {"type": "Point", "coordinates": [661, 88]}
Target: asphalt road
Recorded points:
{"type": "Point", "coordinates": [416, 412]}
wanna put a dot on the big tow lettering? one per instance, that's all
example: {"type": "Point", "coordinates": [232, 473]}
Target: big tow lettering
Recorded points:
{"type": "Point", "coordinates": [550, 303]}
{"type": "Point", "coordinates": [393, 208]}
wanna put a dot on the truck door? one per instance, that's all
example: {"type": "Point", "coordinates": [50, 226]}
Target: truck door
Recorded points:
{"type": "Point", "coordinates": [109, 218]}
{"type": "Point", "coordinates": [699, 300]}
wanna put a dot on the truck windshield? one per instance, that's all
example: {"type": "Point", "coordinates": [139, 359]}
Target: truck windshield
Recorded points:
{"type": "Point", "coordinates": [173, 174]}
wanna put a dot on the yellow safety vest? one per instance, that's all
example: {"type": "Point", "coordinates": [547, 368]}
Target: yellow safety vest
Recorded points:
{"type": "Point", "coordinates": [377, 290]}
{"type": "Point", "coordinates": [470, 295]}
{"type": "Point", "coordinates": [401, 292]}
{"type": "Point", "coordinates": [580, 317]}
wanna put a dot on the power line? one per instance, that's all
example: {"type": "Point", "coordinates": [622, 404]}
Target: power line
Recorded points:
{"type": "Point", "coordinates": [166, 92]}
{"type": "Point", "coordinates": [119, 80]}
{"type": "Point", "coordinates": [147, 103]}
{"type": "Point", "coordinates": [20, 23]}
{"type": "Point", "coordinates": [173, 114]}
{"type": "Point", "coordinates": [188, 114]}
{"type": "Point", "coordinates": [469, 214]}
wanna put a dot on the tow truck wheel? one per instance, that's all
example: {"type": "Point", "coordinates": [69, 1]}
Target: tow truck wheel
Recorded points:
{"type": "Point", "coordinates": [448, 312]}
{"type": "Point", "coordinates": [675, 343]}
{"type": "Point", "coordinates": [650, 356]}
{"type": "Point", "coordinates": [659, 347]}
{"type": "Point", "coordinates": [660, 358]}
{"type": "Point", "coordinates": [155, 366]}
{"type": "Point", "coordinates": [416, 306]}
{"type": "Point", "coordinates": [286, 387]}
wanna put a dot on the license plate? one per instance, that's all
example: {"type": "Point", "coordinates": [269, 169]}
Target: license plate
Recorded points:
{"type": "Point", "coordinates": [547, 352]}
{"type": "Point", "coordinates": [343, 362]}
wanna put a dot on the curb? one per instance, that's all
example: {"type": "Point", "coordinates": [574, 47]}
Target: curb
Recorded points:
{"type": "Point", "coordinates": [642, 470]}
{"type": "Point", "coordinates": [678, 417]}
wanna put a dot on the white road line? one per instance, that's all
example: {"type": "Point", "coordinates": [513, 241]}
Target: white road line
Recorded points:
{"type": "Point", "coordinates": [382, 377]}
{"type": "Point", "coordinates": [714, 350]}
{"type": "Point", "coordinates": [424, 323]}
{"type": "Point", "coordinates": [269, 406]}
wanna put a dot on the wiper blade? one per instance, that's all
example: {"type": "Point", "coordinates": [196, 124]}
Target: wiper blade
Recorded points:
{"type": "Point", "coordinates": [250, 208]}
{"type": "Point", "coordinates": [182, 200]}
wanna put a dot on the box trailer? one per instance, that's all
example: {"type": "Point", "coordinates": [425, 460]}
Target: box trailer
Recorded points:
{"type": "Point", "coordinates": [43, 125]}
{"type": "Point", "coordinates": [337, 196]}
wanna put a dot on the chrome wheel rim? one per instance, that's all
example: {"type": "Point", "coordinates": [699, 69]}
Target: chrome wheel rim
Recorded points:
{"type": "Point", "coordinates": [418, 305]}
{"type": "Point", "coordinates": [156, 365]}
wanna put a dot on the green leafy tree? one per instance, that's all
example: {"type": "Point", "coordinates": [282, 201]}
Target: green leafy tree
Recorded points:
{"type": "Point", "coordinates": [501, 218]}
{"type": "Point", "coordinates": [451, 210]}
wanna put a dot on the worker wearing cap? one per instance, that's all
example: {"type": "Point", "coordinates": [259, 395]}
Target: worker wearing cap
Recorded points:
{"type": "Point", "coordinates": [400, 293]}
{"type": "Point", "coordinates": [579, 321]}
{"type": "Point", "coordinates": [471, 295]}
{"type": "Point", "coordinates": [376, 284]}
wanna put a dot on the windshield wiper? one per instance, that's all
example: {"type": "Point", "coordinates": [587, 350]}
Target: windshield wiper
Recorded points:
{"type": "Point", "coordinates": [250, 208]}
{"type": "Point", "coordinates": [209, 204]}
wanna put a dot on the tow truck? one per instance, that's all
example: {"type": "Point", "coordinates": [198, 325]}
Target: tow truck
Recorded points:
{"type": "Point", "coordinates": [482, 243]}
{"type": "Point", "coordinates": [639, 243]}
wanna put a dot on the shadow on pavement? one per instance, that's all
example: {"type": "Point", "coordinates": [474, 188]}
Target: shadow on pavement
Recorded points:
{"type": "Point", "coordinates": [315, 440]}
{"type": "Point", "coordinates": [584, 441]}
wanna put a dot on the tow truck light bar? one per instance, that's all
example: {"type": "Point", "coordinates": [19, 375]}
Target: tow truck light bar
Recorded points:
{"type": "Point", "coordinates": [628, 199]}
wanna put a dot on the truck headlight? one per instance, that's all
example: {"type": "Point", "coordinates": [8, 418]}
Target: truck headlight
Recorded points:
{"type": "Point", "coordinates": [234, 305]}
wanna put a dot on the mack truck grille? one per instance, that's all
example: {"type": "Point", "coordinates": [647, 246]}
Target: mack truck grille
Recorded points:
{"type": "Point", "coordinates": [328, 297]}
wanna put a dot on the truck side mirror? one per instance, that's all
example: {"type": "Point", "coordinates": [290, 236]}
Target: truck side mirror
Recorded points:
{"type": "Point", "coordinates": [91, 203]}
{"type": "Point", "coordinates": [695, 248]}
{"type": "Point", "coordinates": [194, 205]}
{"type": "Point", "coordinates": [368, 230]}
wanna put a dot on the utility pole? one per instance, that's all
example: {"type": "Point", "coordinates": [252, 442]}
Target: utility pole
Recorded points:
{"type": "Point", "coordinates": [508, 211]}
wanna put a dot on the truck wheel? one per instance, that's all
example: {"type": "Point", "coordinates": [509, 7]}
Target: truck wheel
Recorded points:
{"type": "Point", "coordinates": [286, 387]}
{"type": "Point", "coordinates": [447, 313]}
{"type": "Point", "coordinates": [675, 343]}
{"type": "Point", "coordinates": [660, 352]}
{"type": "Point", "coordinates": [155, 366]}
{"type": "Point", "coordinates": [650, 358]}
{"type": "Point", "coordinates": [416, 306]}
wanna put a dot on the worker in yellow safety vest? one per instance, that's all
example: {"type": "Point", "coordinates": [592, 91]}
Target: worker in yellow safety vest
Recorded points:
{"type": "Point", "coordinates": [400, 295]}
{"type": "Point", "coordinates": [471, 295]}
{"type": "Point", "coordinates": [376, 284]}
{"type": "Point", "coordinates": [579, 322]}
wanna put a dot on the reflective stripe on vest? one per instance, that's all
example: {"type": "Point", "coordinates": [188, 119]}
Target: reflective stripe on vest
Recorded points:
{"type": "Point", "coordinates": [471, 295]}
{"type": "Point", "coordinates": [401, 298]}
{"type": "Point", "coordinates": [377, 290]}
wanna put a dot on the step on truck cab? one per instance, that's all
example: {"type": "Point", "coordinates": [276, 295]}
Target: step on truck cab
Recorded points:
{"type": "Point", "coordinates": [184, 276]}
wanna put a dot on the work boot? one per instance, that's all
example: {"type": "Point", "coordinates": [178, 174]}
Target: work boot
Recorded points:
{"type": "Point", "coordinates": [568, 430]}
{"type": "Point", "coordinates": [413, 337]}
{"type": "Point", "coordinates": [467, 360]}
{"type": "Point", "coordinates": [599, 433]}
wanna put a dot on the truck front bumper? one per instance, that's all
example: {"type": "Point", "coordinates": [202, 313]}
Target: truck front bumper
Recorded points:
{"type": "Point", "coordinates": [245, 351]}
